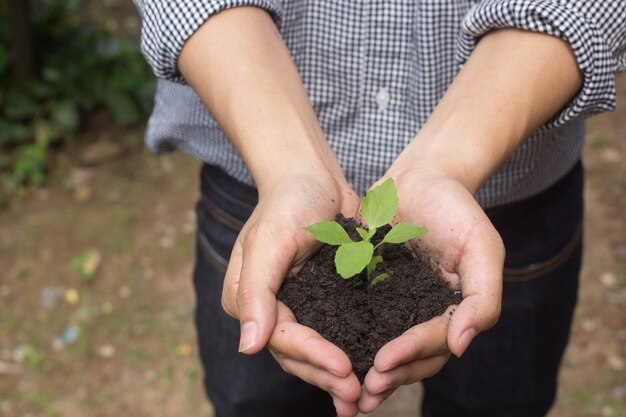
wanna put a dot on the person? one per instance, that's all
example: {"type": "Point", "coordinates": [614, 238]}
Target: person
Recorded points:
{"type": "Point", "coordinates": [475, 108]}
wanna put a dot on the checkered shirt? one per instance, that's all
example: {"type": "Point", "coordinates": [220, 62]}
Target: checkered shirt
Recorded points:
{"type": "Point", "coordinates": [374, 71]}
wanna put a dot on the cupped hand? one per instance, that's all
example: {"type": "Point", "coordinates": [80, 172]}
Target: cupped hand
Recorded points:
{"type": "Point", "coordinates": [272, 245]}
{"type": "Point", "coordinates": [470, 255]}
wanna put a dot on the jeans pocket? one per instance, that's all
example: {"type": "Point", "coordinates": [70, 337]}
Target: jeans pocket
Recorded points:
{"type": "Point", "coordinates": [538, 269]}
{"type": "Point", "coordinates": [543, 232]}
{"type": "Point", "coordinates": [224, 207]}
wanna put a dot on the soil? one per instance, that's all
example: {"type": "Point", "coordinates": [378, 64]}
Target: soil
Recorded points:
{"type": "Point", "coordinates": [358, 317]}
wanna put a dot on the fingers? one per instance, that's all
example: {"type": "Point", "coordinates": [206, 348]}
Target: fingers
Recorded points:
{"type": "Point", "coordinates": [480, 270]}
{"type": "Point", "coordinates": [259, 261]}
{"type": "Point", "coordinates": [345, 408]}
{"type": "Point", "coordinates": [301, 351]}
{"type": "Point", "coordinates": [421, 341]}
{"type": "Point", "coordinates": [301, 343]}
{"type": "Point", "coordinates": [368, 403]}
{"type": "Point", "coordinates": [347, 389]}
{"type": "Point", "coordinates": [409, 373]}
{"type": "Point", "coordinates": [418, 353]}
{"type": "Point", "coordinates": [268, 251]}
{"type": "Point", "coordinates": [231, 280]}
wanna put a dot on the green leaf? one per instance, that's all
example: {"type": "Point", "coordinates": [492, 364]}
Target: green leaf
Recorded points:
{"type": "Point", "coordinates": [329, 232]}
{"type": "Point", "coordinates": [380, 278]}
{"type": "Point", "coordinates": [32, 355]}
{"type": "Point", "coordinates": [51, 75]}
{"type": "Point", "coordinates": [66, 114]}
{"type": "Point", "coordinates": [351, 258]}
{"type": "Point", "coordinates": [29, 164]}
{"type": "Point", "coordinates": [404, 231]}
{"type": "Point", "coordinates": [363, 233]}
{"type": "Point", "coordinates": [380, 204]}
{"type": "Point", "coordinates": [22, 105]}
{"type": "Point", "coordinates": [12, 132]}
{"type": "Point", "coordinates": [86, 264]}
{"type": "Point", "coordinates": [372, 265]}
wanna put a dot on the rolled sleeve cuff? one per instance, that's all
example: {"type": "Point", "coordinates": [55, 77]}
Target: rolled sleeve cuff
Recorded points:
{"type": "Point", "coordinates": [168, 24]}
{"type": "Point", "coordinates": [591, 50]}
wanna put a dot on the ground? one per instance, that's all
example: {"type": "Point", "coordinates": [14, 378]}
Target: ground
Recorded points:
{"type": "Point", "coordinates": [96, 304]}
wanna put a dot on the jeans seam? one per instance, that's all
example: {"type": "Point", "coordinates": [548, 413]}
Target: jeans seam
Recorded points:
{"type": "Point", "coordinates": [221, 215]}
{"type": "Point", "coordinates": [215, 187]}
{"type": "Point", "coordinates": [538, 269]}
{"type": "Point", "coordinates": [211, 254]}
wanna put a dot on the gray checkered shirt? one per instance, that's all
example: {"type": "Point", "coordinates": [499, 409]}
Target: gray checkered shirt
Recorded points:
{"type": "Point", "coordinates": [374, 71]}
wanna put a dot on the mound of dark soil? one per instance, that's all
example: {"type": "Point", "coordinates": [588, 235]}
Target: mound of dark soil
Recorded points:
{"type": "Point", "coordinates": [358, 317]}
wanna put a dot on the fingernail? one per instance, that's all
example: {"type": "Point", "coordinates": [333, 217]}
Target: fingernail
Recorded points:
{"type": "Point", "coordinates": [249, 334]}
{"type": "Point", "coordinates": [465, 339]}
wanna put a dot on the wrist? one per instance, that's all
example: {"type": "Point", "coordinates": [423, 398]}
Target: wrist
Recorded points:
{"type": "Point", "coordinates": [511, 85]}
{"type": "Point", "coordinates": [297, 167]}
{"type": "Point", "coordinates": [448, 154]}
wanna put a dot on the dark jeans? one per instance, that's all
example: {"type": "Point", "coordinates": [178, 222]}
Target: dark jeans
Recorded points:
{"type": "Point", "coordinates": [508, 371]}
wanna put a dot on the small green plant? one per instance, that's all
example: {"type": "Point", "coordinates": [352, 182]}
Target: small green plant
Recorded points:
{"type": "Point", "coordinates": [378, 208]}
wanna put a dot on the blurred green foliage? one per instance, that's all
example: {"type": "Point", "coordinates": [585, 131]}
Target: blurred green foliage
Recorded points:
{"type": "Point", "coordinates": [79, 69]}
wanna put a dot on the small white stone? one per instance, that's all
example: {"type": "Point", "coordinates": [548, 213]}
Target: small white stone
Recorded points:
{"type": "Point", "coordinates": [608, 279]}
{"type": "Point", "coordinates": [124, 292]}
{"type": "Point", "coordinates": [611, 155]}
{"type": "Point", "coordinates": [5, 290]}
{"type": "Point", "coordinates": [607, 411]}
{"type": "Point", "coordinates": [9, 368]}
{"type": "Point", "coordinates": [58, 344]}
{"type": "Point", "coordinates": [615, 362]}
{"type": "Point", "coordinates": [106, 351]}
{"type": "Point", "coordinates": [6, 407]}
{"type": "Point", "coordinates": [589, 325]}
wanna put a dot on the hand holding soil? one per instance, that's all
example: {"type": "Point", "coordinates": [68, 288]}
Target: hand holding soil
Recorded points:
{"type": "Point", "coordinates": [470, 255]}
{"type": "Point", "coordinates": [271, 245]}
{"type": "Point", "coordinates": [383, 292]}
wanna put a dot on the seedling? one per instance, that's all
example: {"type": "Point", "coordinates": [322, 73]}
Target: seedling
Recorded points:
{"type": "Point", "coordinates": [378, 208]}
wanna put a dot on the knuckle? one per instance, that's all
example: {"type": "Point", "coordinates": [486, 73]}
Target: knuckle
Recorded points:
{"type": "Point", "coordinates": [492, 313]}
{"type": "Point", "coordinates": [385, 381]}
{"type": "Point", "coordinates": [284, 364]}
{"type": "Point", "coordinates": [245, 296]}
{"type": "Point", "coordinates": [252, 234]}
{"type": "Point", "coordinates": [226, 305]}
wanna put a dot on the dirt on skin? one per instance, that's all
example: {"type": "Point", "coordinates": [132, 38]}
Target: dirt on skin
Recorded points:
{"type": "Point", "coordinates": [357, 316]}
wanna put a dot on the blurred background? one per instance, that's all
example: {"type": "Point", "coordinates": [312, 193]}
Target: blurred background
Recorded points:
{"type": "Point", "coordinates": [96, 235]}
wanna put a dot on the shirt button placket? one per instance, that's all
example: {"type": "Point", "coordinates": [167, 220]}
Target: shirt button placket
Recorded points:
{"type": "Point", "coordinates": [382, 98]}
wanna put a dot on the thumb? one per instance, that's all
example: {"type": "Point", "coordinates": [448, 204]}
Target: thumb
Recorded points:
{"type": "Point", "coordinates": [481, 283]}
{"type": "Point", "coordinates": [471, 317]}
{"type": "Point", "coordinates": [264, 266]}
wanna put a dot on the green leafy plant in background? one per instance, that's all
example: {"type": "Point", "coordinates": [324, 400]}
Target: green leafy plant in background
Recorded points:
{"type": "Point", "coordinates": [378, 208]}
{"type": "Point", "coordinates": [77, 69]}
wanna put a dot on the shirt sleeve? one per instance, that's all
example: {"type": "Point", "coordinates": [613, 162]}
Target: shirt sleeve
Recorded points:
{"type": "Point", "coordinates": [595, 30]}
{"type": "Point", "coordinates": [167, 24]}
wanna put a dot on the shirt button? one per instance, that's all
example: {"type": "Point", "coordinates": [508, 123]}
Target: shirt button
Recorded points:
{"type": "Point", "coordinates": [382, 98]}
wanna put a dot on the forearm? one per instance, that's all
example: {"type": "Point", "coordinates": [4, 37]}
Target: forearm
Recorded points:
{"type": "Point", "coordinates": [242, 70]}
{"type": "Point", "coordinates": [512, 84]}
